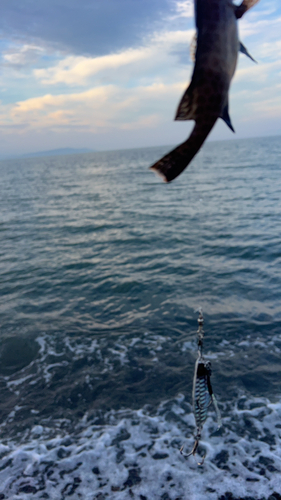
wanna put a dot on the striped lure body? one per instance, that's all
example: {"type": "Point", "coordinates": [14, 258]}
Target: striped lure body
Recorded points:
{"type": "Point", "coordinates": [203, 397]}
{"type": "Point", "coordinates": [202, 392]}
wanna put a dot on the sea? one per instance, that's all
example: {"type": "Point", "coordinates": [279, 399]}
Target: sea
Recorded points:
{"type": "Point", "coordinates": [103, 270]}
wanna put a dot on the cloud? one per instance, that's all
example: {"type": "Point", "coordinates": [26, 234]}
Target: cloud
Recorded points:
{"type": "Point", "coordinates": [184, 8]}
{"type": "Point", "coordinates": [260, 73]}
{"type": "Point", "coordinates": [86, 27]}
{"type": "Point", "coordinates": [22, 55]}
{"type": "Point", "coordinates": [267, 108]}
{"type": "Point", "coordinates": [95, 109]}
{"type": "Point", "coordinates": [57, 110]}
{"type": "Point", "coordinates": [77, 69]}
{"type": "Point", "coordinates": [269, 28]}
{"type": "Point", "coordinates": [269, 50]}
{"type": "Point", "coordinates": [124, 87]}
{"type": "Point", "coordinates": [159, 50]}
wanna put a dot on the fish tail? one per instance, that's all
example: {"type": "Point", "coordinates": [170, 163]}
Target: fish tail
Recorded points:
{"type": "Point", "coordinates": [243, 7]}
{"type": "Point", "coordinates": [172, 164]}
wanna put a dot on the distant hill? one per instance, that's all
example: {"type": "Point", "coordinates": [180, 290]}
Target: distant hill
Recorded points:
{"type": "Point", "coordinates": [58, 152]}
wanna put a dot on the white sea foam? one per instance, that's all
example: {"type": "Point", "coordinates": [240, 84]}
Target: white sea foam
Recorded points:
{"type": "Point", "coordinates": [134, 453]}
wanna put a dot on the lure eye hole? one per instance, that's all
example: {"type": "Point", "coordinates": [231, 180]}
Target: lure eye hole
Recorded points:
{"type": "Point", "coordinates": [208, 365]}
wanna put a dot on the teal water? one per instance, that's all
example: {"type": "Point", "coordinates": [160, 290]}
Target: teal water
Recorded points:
{"type": "Point", "coordinates": [102, 269]}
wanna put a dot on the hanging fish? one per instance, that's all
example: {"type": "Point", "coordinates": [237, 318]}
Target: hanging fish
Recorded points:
{"type": "Point", "coordinates": [206, 98]}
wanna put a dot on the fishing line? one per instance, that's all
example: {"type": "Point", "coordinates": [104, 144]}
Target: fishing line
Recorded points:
{"type": "Point", "coordinates": [200, 161]}
{"type": "Point", "coordinates": [202, 393]}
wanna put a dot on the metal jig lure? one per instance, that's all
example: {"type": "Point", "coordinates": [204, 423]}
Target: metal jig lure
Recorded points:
{"type": "Point", "coordinates": [202, 393]}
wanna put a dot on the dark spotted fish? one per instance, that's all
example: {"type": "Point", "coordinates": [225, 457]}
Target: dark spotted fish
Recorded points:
{"type": "Point", "coordinates": [206, 98]}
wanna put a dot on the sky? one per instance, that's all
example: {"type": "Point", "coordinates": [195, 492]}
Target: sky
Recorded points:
{"type": "Point", "coordinates": [108, 74]}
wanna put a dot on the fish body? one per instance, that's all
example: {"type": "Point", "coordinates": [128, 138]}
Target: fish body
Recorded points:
{"type": "Point", "coordinates": [215, 61]}
{"type": "Point", "coordinates": [206, 98]}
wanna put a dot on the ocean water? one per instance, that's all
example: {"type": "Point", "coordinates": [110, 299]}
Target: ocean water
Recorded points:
{"type": "Point", "coordinates": [102, 270]}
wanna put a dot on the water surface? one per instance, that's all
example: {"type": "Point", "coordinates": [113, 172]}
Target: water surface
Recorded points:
{"type": "Point", "coordinates": [102, 269]}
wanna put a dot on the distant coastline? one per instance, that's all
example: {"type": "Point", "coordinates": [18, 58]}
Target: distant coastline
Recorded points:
{"type": "Point", "coordinates": [50, 152]}
{"type": "Point", "coordinates": [58, 152]}
{"type": "Point", "coordinates": [72, 151]}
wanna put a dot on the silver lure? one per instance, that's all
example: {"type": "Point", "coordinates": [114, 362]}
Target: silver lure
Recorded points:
{"type": "Point", "coordinates": [202, 394]}
{"type": "Point", "coordinates": [203, 397]}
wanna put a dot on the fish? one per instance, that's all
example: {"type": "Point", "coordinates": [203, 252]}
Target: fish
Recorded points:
{"type": "Point", "coordinates": [206, 99]}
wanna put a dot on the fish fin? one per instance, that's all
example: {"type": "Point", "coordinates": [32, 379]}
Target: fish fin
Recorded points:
{"type": "Point", "coordinates": [243, 49]}
{"type": "Point", "coordinates": [243, 7]}
{"type": "Point", "coordinates": [184, 111]}
{"type": "Point", "coordinates": [226, 118]}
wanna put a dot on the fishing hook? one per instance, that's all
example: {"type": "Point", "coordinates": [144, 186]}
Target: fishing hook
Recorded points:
{"type": "Point", "coordinates": [194, 450]}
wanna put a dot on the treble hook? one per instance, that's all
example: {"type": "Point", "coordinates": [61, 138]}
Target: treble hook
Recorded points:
{"type": "Point", "coordinates": [194, 450]}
